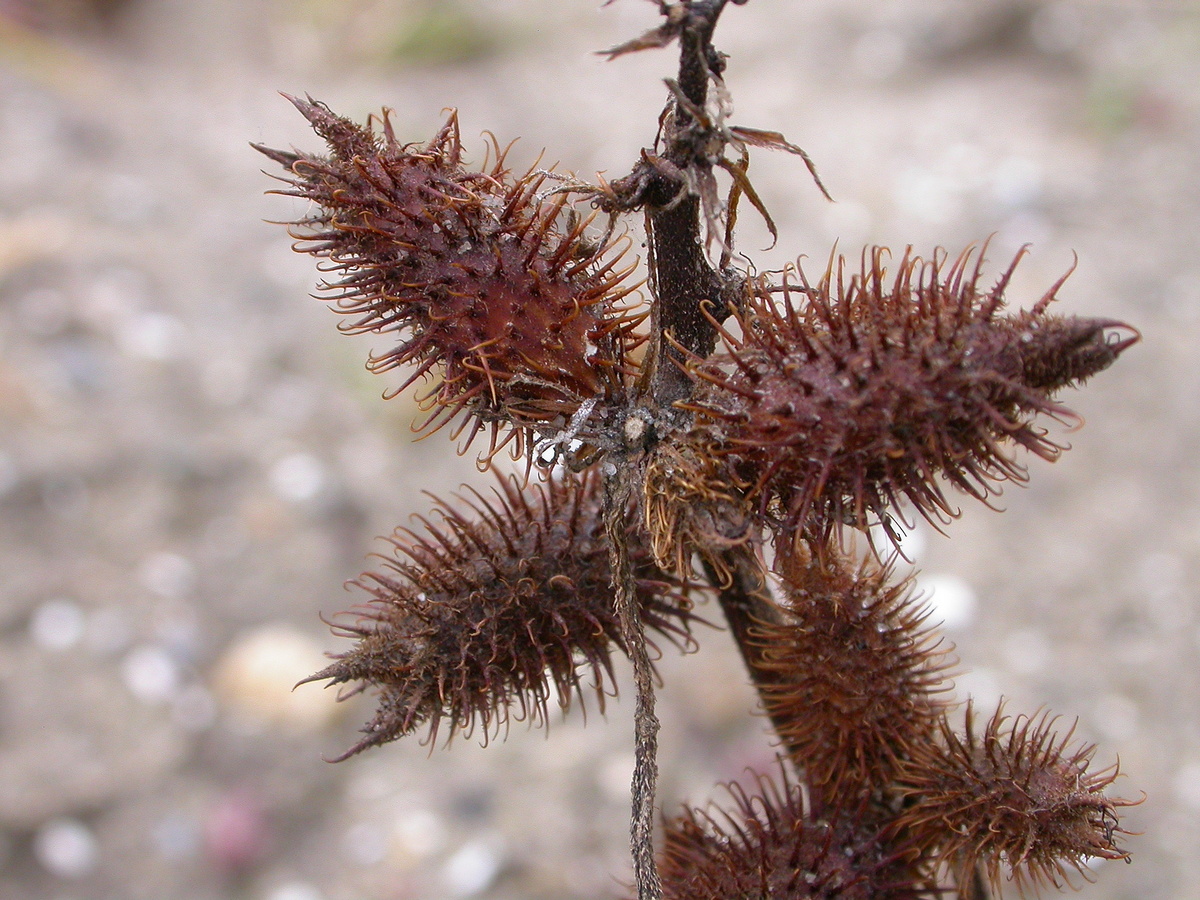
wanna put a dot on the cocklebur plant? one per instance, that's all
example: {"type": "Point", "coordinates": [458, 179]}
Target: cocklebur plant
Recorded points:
{"type": "Point", "coordinates": [723, 432]}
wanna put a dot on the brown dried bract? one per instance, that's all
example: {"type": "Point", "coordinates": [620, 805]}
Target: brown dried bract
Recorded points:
{"type": "Point", "coordinates": [692, 506]}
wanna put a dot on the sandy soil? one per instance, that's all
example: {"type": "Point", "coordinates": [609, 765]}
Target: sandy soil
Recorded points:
{"type": "Point", "coordinates": [192, 460]}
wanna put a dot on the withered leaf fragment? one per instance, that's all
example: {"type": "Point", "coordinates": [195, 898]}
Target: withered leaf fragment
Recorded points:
{"type": "Point", "coordinates": [490, 288]}
{"type": "Point", "coordinates": [859, 392]}
{"type": "Point", "coordinates": [487, 616]}
{"type": "Point", "coordinates": [655, 38]}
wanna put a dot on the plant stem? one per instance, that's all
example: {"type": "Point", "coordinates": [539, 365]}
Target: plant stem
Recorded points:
{"type": "Point", "coordinates": [683, 279]}
{"type": "Point", "coordinates": [618, 485]}
{"type": "Point", "coordinates": [746, 602]}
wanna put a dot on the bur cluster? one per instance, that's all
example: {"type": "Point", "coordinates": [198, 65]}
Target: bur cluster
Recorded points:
{"type": "Point", "coordinates": [725, 435]}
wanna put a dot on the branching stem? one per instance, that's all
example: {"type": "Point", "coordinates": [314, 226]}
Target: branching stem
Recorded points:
{"type": "Point", "coordinates": [683, 281]}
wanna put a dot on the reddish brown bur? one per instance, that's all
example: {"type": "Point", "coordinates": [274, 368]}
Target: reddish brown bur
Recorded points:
{"type": "Point", "coordinates": [853, 395]}
{"type": "Point", "coordinates": [488, 286]}
{"type": "Point", "coordinates": [488, 616]}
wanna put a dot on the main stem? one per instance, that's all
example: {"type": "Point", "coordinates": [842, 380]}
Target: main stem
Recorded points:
{"type": "Point", "coordinates": [683, 281]}
{"type": "Point", "coordinates": [682, 277]}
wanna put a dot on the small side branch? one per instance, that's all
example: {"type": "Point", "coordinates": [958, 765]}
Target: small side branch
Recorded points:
{"type": "Point", "coordinates": [746, 602]}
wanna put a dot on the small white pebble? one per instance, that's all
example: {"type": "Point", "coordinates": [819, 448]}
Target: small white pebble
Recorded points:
{"type": "Point", "coordinates": [57, 624]}
{"type": "Point", "coordinates": [150, 674]}
{"type": "Point", "coordinates": [951, 599]}
{"type": "Point", "coordinates": [255, 677]}
{"type": "Point", "coordinates": [66, 848]}
{"type": "Point", "coordinates": [297, 477]}
{"type": "Point", "coordinates": [472, 869]}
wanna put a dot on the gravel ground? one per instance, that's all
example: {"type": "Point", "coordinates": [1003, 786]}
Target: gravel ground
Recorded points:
{"type": "Point", "coordinates": [192, 460]}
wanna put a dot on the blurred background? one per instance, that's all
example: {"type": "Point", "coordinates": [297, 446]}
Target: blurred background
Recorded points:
{"type": "Point", "coordinates": [193, 461]}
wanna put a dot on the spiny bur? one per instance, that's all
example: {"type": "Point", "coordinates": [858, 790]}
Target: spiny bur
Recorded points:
{"type": "Point", "coordinates": [854, 669]}
{"type": "Point", "coordinates": [488, 286]}
{"type": "Point", "coordinates": [489, 615]}
{"type": "Point", "coordinates": [1017, 799]}
{"type": "Point", "coordinates": [774, 843]}
{"type": "Point", "coordinates": [853, 395]}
